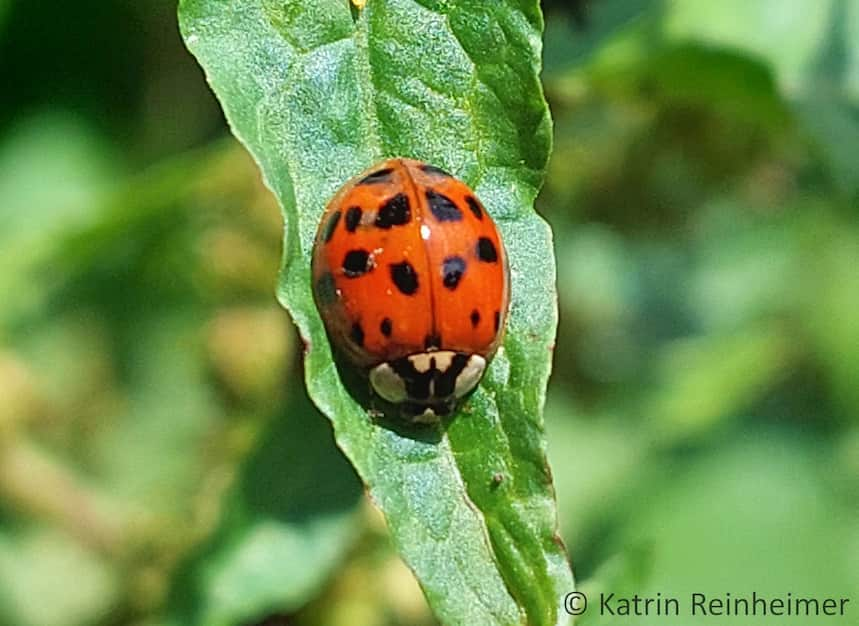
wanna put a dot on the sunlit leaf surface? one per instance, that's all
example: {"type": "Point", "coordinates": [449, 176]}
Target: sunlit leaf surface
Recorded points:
{"type": "Point", "coordinates": [318, 92]}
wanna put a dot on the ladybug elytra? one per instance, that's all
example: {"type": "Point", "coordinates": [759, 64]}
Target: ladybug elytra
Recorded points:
{"type": "Point", "coordinates": [411, 280]}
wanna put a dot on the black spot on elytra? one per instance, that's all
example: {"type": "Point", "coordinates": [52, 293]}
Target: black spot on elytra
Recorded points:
{"type": "Point", "coordinates": [486, 251]}
{"type": "Point", "coordinates": [395, 212]}
{"type": "Point", "coordinates": [379, 176]}
{"type": "Point", "coordinates": [353, 218]}
{"type": "Point", "coordinates": [356, 263]}
{"type": "Point", "coordinates": [475, 207]}
{"type": "Point", "coordinates": [357, 334]}
{"type": "Point", "coordinates": [443, 208]}
{"type": "Point", "coordinates": [431, 341]}
{"type": "Point", "coordinates": [475, 318]}
{"type": "Point", "coordinates": [452, 270]}
{"type": "Point", "coordinates": [387, 327]}
{"type": "Point", "coordinates": [330, 226]}
{"type": "Point", "coordinates": [497, 320]}
{"type": "Point", "coordinates": [432, 169]}
{"type": "Point", "coordinates": [326, 290]}
{"type": "Point", "coordinates": [404, 277]}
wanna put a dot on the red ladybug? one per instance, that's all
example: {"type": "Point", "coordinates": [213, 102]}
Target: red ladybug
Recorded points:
{"type": "Point", "coordinates": [411, 279]}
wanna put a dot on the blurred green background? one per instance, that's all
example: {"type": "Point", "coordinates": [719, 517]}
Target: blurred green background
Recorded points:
{"type": "Point", "coordinates": [159, 460]}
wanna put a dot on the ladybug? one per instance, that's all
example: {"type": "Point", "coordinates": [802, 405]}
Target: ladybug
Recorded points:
{"type": "Point", "coordinates": [411, 279]}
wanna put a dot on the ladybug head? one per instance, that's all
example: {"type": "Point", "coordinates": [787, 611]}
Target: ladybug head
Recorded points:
{"type": "Point", "coordinates": [428, 384]}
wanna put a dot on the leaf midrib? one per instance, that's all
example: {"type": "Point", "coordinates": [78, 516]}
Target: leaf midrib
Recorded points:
{"type": "Point", "coordinates": [367, 83]}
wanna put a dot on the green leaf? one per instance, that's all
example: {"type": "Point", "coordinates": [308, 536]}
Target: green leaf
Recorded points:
{"type": "Point", "coordinates": [275, 547]}
{"type": "Point", "coordinates": [29, 564]}
{"type": "Point", "coordinates": [812, 47]}
{"type": "Point", "coordinates": [570, 44]}
{"type": "Point", "coordinates": [53, 172]}
{"type": "Point", "coordinates": [794, 29]}
{"type": "Point", "coordinates": [318, 92]}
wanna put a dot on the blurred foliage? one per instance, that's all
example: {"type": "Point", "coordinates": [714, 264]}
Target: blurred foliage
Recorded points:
{"type": "Point", "coordinates": [159, 463]}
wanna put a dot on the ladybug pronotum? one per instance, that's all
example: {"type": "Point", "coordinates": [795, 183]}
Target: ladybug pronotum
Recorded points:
{"type": "Point", "coordinates": [411, 279]}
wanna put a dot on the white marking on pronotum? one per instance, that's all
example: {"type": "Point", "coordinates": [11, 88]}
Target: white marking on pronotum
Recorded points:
{"type": "Point", "coordinates": [388, 384]}
{"type": "Point", "coordinates": [421, 362]}
{"type": "Point", "coordinates": [443, 360]}
{"type": "Point", "coordinates": [470, 375]}
{"type": "Point", "coordinates": [392, 387]}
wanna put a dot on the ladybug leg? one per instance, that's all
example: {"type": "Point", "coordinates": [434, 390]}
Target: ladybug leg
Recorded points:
{"type": "Point", "coordinates": [373, 411]}
{"type": "Point", "coordinates": [445, 408]}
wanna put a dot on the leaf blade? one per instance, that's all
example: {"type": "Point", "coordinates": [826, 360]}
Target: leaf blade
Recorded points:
{"type": "Point", "coordinates": [317, 96]}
